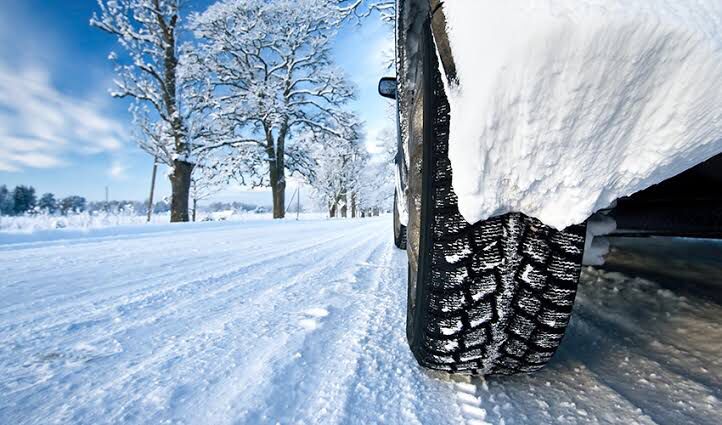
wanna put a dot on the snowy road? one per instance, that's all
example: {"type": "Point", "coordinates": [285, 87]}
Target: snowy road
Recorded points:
{"type": "Point", "coordinates": [303, 322]}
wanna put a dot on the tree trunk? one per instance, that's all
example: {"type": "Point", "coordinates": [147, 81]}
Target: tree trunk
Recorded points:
{"type": "Point", "coordinates": [278, 190]}
{"type": "Point", "coordinates": [180, 181]}
{"type": "Point", "coordinates": [195, 206]}
{"type": "Point", "coordinates": [344, 207]}
{"type": "Point", "coordinates": [277, 167]}
{"type": "Point", "coordinates": [332, 210]}
{"type": "Point", "coordinates": [277, 179]}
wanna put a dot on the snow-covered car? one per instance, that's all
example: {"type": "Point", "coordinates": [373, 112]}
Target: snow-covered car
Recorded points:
{"type": "Point", "coordinates": [522, 127]}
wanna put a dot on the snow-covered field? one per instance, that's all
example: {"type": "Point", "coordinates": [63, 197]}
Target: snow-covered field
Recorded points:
{"type": "Point", "coordinates": [43, 226]}
{"type": "Point", "coordinates": [303, 322]}
{"type": "Point", "coordinates": [39, 222]}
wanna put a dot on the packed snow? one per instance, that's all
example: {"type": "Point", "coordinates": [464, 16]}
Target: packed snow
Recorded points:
{"type": "Point", "coordinates": [562, 106]}
{"type": "Point", "coordinates": [303, 322]}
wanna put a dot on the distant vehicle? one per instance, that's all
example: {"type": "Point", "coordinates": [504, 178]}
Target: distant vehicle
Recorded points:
{"type": "Point", "coordinates": [495, 297]}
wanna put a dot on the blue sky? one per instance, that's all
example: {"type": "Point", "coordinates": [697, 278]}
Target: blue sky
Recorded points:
{"type": "Point", "coordinates": [61, 132]}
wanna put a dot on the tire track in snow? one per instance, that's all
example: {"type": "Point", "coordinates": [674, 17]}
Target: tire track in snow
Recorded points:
{"type": "Point", "coordinates": [386, 374]}
{"type": "Point", "coordinates": [163, 287]}
{"type": "Point", "coordinates": [160, 290]}
{"type": "Point", "coordinates": [161, 253]}
{"type": "Point", "coordinates": [646, 383]}
{"type": "Point", "coordinates": [281, 367]}
{"type": "Point", "coordinates": [563, 393]}
{"type": "Point", "coordinates": [471, 405]}
{"type": "Point", "coordinates": [671, 330]}
{"type": "Point", "coordinates": [332, 251]}
{"type": "Point", "coordinates": [69, 339]}
{"type": "Point", "coordinates": [329, 354]}
{"type": "Point", "coordinates": [642, 346]}
{"type": "Point", "coordinates": [263, 304]}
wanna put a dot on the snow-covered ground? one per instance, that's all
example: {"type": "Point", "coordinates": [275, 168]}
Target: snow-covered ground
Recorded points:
{"type": "Point", "coordinates": [303, 322]}
{"type": "Point", "coordinates": [40, 222]}
{"type": "Point", "coordinates": [38, 225]}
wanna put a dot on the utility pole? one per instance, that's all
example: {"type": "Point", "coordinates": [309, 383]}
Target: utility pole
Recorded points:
{"type": "Point", "coordinates": [353, 204]}
{"type": "Point", "coordinates": [288, 207]}
{"type": "Point", "coordinates": [152, 187]}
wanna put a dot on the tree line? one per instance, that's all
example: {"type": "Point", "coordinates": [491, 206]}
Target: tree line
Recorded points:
{"type": "Point", "coordinates": [245, 91]}
{"type": "Point", "coordinates": [24, 200]}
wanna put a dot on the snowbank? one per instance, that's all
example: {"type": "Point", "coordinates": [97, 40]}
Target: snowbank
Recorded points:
{"type": "Point", "coordinates": [84, 220]}
{"type": "Point", "coordinates": [563, 106]}
{"type": "Point", "coordinates": [46, 228]}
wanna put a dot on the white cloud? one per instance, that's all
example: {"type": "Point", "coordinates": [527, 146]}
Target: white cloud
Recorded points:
{"type": "Point", "coordinates": [40, 126]}
{"type": "Point", "coordinates": [117, 170]}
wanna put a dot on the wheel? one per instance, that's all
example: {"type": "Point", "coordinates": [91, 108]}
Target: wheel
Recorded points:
{"type": "Point", "coordinates": [494, 297]}
{"type": "Point", "coordinates": [399, 229]}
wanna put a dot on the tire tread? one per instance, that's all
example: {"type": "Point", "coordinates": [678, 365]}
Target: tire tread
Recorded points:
{"type": "Point", "coordinates": [498, 294]}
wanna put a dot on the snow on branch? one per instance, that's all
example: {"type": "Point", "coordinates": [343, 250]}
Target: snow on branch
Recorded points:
{"type": "Point", "coordinates": [150, 73]}
{"type": "Point", "coordinates": [360, 9]}
{"type": "Point", "coordinates": [273, 79]}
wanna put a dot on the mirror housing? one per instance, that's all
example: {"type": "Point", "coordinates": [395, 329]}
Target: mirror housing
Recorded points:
{"type": "Point", "coordinates": [387, 87]}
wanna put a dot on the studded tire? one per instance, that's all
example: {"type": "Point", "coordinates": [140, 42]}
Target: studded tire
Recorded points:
{"type": "Point", "coordinates": [492, 297]}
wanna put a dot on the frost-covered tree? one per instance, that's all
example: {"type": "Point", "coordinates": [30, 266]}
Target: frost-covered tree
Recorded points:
{"type": "Point", "coordinates": [147, 30]}
{"type": "Point", "coordinates": [72, 204]}
{"type": "Point", "coordinates": [206, 181]}
{"type": "Point", "coordinates": [24, 199]}
{"type": "Point", "coordinates": [348, 179]}
{"type": "Point", "coordinates": [6, 201]}
{"type": "Point", "coordinates": [48, 204]}
{"type": "Point", "coordinates": [376, 189]}
{"type": "Point", "coordinates": [273, 81]}
{"type": "Point", "coordinates": [161, 206]}
{"type": "Point", "coordinates": [338, 173]}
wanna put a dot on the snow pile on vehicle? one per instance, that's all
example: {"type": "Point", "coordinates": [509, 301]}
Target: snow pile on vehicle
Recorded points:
{"type": "Point", "coordinates": [562, 106]}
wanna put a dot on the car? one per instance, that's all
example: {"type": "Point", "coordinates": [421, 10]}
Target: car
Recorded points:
{"type": "Point", "coordinates": [494, 296]}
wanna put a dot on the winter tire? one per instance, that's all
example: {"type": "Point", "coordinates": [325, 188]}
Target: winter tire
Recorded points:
{"type": "Point", "coordinates": [493, 297]}
{"type": "Point", "coordinates": [399, 229]}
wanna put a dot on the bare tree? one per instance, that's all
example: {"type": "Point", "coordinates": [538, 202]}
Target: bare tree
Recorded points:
{"type": "Point", "coordinates": [147, 30]}
{"type": "Point", "coordinates": [339, 171]}
{"type": "Point", "coordinates": [376, 183]}
{"type": "Point", "coordinates": [376, 188]}
{"type": "Point", "coordinates": [273, 81]}
{"type": "Point", "coordinates": [205, 182]}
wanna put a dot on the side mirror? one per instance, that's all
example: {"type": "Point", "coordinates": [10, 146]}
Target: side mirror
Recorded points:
{"type": "Point", "coordinates": [387, 87]}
